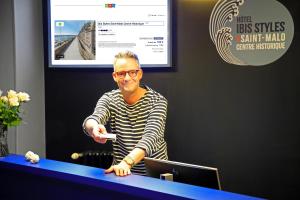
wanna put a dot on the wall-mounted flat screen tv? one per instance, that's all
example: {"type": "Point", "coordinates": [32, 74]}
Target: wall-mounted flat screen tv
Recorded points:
{"type": "Point", "coordinates": [88, 33]}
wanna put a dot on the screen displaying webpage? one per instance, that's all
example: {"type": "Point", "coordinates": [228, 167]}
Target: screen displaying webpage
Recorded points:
{"type": "Point", "coordinates": [90, 32]}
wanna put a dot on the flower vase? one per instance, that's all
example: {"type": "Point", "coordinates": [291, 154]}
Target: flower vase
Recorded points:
{"type": "Point", "coordinates": [3, 141]}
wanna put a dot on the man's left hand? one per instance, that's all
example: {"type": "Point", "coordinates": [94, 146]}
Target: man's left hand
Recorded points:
{"type": "Point", "coordinates": [121, 169]}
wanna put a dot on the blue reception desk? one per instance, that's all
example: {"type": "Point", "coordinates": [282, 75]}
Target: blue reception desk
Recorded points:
{"type": "Point", "coordinates": [49, 179]}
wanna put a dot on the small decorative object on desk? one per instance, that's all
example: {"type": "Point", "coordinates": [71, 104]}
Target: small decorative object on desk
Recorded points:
{"type": "Point", "coordinates": [32, 157]}
{"type": "Point", "coordinates": [10, 112]}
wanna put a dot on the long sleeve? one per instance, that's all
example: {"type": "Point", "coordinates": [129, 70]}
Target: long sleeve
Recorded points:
{"type": "Point", "coordinates": [153, 137]}
{"type": "Point", "coordinates": [101, 112]}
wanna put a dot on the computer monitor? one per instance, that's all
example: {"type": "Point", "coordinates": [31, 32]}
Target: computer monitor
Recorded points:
{"type": "Point", "coordinates": [184, 173]}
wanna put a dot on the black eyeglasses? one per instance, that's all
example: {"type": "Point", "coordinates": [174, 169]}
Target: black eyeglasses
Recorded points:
{"type": "Point", "coordinates": [131, 73]}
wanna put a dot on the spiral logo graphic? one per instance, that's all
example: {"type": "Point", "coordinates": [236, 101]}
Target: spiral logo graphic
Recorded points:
{"type": "Point", "coordinates": [223, 12]}
{"type": "Point", "coordinates": [245, 34]}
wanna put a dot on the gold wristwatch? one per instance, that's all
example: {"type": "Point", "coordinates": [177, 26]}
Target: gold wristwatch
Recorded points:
{"type": "Point", "coordinates": [129, 161]}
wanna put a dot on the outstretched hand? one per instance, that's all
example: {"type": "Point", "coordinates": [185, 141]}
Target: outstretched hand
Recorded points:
{"type": "Point", "coordinates": [96, 134]}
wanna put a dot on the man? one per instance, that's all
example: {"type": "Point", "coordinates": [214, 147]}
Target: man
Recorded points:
{"type": "Point", "coordinates": [137, 115]}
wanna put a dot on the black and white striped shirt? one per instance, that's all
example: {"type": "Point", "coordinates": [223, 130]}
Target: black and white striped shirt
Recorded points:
{"type": "Point", "coordinates": [140, 125]}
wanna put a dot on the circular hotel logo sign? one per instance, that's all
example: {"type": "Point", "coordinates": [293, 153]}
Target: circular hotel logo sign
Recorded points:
{"type": "Point", "coordinates": [251, 32]}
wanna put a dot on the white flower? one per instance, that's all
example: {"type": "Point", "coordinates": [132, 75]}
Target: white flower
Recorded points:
{"type": "Point", "coordinates": [14, 101]}
{"type": "Point", "coordinates": [4, 99]}
{"type": "Point", "coordinates": [11, 94]}
{"type": "Point", "coordinates": [9, 107]}
{"type": "Point", "coordinates": [23, 96]}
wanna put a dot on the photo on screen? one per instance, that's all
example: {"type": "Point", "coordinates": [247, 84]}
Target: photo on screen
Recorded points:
{"type": "Point", "coordinates": [74, 40]}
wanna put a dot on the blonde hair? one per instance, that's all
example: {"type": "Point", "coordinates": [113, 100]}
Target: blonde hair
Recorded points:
{"type": "Point", "coordinates": [126, 54]}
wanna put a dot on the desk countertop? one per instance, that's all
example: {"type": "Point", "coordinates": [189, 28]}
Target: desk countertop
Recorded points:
{"type": "Point", "coordinates": [96, 177]}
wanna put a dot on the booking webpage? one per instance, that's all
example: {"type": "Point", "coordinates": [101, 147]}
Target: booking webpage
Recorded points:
{"type": "Point", "coordinates": [91, 32]}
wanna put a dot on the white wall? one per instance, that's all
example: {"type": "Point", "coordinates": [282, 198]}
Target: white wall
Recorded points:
{"type": "Point", "coordinates": [22, 68]}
